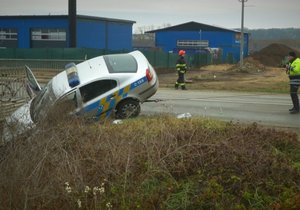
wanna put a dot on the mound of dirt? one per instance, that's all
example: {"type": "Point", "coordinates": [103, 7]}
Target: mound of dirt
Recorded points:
{"type": "Point", "coordinates": [273, 54]}
{"type": "Point", "coordinates": [250, 65]}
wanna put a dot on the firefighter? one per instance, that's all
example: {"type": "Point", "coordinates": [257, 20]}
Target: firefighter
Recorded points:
{"type": "Point", "coordinates": [181, 68]}
{"type": "Point", "coordinates": [293, 70]}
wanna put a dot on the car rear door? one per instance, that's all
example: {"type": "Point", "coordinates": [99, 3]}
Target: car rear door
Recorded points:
{"type": "Point", "coordinates": [99, 98]}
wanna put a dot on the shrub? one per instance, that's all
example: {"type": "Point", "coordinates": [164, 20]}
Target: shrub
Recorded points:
{"type": "Point", "coordinates": [150, 163]}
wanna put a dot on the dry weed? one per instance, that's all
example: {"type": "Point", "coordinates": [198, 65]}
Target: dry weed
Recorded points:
{"type": "Point", "coordinates": [149, 163]}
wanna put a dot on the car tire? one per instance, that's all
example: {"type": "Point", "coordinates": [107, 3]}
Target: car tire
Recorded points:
{"type": "Point", "coordinates": [128, 109]}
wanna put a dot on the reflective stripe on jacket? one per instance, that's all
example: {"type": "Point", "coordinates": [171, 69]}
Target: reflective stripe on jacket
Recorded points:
{"type": "Point", "coordinates": [294, 67]}
{"type": "Point", "coordinates": [294, 79]}
{"type": "Point", "coordinates": [294, 72]}
{"type": "Point", "coordinates": [181, 65]}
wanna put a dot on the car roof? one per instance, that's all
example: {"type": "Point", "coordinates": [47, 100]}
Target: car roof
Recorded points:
{"type": "Point", "coordinates": [92, 69]}
{"type": "Point", "coordinates": [87, 71]}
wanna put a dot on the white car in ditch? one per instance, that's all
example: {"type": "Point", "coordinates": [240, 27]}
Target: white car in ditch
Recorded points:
{"type": "Point", "coordinates": [110, 85]}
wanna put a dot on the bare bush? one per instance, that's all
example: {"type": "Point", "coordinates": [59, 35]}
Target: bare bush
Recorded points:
{"type": "Point", "coordinates": [149, 163]}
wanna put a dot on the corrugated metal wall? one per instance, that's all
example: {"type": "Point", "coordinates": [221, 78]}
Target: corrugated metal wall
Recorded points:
{"type": "Point", "coordinates": [25, 25]}
{"type": "Point", "coordinates": [107, 35]}
{"type": "Point", "coordinates": [226, 41]}
{"type": "Point", "coordinates": [91, 33]}
{"type": "Point", "coordinates": [119, 36]}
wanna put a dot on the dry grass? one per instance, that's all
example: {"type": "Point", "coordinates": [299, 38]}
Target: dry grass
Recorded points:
{"type": "Point", "coordinates": [254, 78]}
{"type": "Point", "coordinates": [150, 163]}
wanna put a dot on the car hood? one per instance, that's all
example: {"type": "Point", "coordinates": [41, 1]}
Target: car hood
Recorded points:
{"type": "Point", "coordinates": [18, 122]}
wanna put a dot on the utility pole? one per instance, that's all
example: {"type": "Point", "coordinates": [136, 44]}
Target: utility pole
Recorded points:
{"type": "Point", "coordinates": [242, 35]}
{"type": "Point", "coordinates": [72, 23]}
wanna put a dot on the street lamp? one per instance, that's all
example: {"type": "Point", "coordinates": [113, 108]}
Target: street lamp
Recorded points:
{"type": "Point", "coordinates": [242, 35]}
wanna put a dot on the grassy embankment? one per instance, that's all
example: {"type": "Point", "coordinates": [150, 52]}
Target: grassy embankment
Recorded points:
{"type": "Point", "coordinates": [156, 162]}
{"type": "Point", "coordinates": [151, 163]}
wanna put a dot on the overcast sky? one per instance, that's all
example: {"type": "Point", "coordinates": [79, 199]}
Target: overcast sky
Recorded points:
{"type": "Point", "coordinates": [223, 13]}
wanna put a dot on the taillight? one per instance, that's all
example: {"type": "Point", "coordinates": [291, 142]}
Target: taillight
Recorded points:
{"type": "Point", "coordinates": [149, 75]}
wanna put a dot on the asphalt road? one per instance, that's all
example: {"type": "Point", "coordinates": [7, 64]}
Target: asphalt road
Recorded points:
{"type": "Point", "coordinates": [264, 109]}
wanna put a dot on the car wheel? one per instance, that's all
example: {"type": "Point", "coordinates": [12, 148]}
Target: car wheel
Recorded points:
{"type": "Point", "coordinates": [128, 109]}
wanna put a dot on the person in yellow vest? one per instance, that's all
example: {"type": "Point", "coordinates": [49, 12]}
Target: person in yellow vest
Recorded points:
{"type": "Point", "coordinates": [293, 70]}
{"type": "Point", "coordinates": [181, 68]}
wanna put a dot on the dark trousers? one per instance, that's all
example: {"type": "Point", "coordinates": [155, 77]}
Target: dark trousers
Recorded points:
{"type": "Point", "coordinates": [180, 81]}
{"type": "Point", "coordinates": [294, 95]}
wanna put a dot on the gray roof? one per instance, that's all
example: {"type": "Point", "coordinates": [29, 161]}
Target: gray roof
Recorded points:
{"type": "Point", "coordinates": [193, 26]}
{"type": "Point", "coordinates": [65, 16]}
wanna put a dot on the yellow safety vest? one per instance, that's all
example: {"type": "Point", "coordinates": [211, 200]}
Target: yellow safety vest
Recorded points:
{"type": "Point", "coordinates": [294, 67]}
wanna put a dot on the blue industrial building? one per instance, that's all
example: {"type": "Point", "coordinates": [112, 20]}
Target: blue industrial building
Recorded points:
{"type": "Point", "coordinates": [196, 37]}
{"type": "Point", "coordinates": [53, 31]}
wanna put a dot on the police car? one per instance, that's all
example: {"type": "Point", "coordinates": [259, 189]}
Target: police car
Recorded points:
{"type": "Point", "coordinates": [110, 85]}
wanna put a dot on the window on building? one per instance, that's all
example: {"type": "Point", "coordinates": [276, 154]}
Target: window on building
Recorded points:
{"type": "Point", "coordinates": [48, 34]}
{"type": "Point", "coordinates": [8, 34]}
{"type": "Point", "coordinates": [48, 37]}
{"type": "Point", "coordinates": [8, 37]}
{"type": "Point", "coordinates": [192, 43]}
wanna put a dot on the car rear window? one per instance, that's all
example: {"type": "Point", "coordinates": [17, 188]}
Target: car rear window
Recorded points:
{"type": "Point", "coordinates": [121, 63]}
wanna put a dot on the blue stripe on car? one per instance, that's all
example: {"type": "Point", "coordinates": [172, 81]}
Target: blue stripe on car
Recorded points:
{"type": "Point", "coordinates": [106, 105]}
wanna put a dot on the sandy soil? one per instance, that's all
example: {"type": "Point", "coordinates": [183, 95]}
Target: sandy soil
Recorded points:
{"type": "Point", "coordinates": [261, 72]}
{"type": "Point", "coordinates": [230, 77]}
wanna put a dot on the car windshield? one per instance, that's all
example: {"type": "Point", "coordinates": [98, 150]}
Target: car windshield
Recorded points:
{"type": "Point", "coordinates": [121, 63]}
{"type": "Point", "coordinates": [42, 103]}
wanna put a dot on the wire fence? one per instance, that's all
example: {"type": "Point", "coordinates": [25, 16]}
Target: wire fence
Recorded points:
{"type": "Point", "coordinates": [13, 92]}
